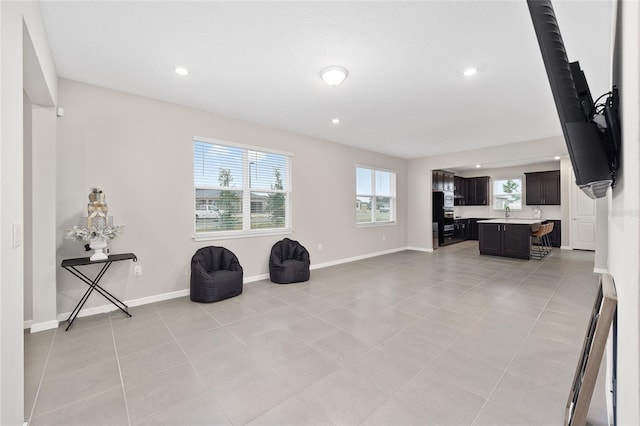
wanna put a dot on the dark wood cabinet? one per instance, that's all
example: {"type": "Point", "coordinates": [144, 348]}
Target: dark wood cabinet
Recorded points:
{"type": "Point", "coordinates": [442, 181]}
{"type": "Point", "coordinates": [481, 186]}
{"type": "Point", "coordinates": [543, 188]}
{"type": "Point", "coordinates": [471, 191]}
{"type": "Point", "coordinates": [437, 180]}
{"type": "Point", "coordinates": [505, 240]}
{"type": "Point", "coordinates": [472, 229]}
{"type": "Point", "coordinates": [477, 191]}
{"type": "Point", "coordinates": [448, 182]}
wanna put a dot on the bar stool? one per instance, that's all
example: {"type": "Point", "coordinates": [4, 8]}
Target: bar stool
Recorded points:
{"type": "Point", "coordinates": [547, 237]}
{"type": "Point", "coordinates": [538, 242]}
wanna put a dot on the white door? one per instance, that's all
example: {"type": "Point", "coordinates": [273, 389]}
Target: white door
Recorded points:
{"type": "Point", "coordinates": [583, 220]}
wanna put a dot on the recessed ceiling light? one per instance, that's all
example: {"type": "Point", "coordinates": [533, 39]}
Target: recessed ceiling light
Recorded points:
{"type": "Point", "coordinates": [557, 157]}
{"type": "Point", "coordinates": [470, 71]}
{"type": "Point", "coordinates": [478, 166]}
{"type": "Point", "coordinates": [333, 75]}
{"type": "Point", "coordinates": [182, 71]}
{"type": "Point", "coordinates": [335, 120]}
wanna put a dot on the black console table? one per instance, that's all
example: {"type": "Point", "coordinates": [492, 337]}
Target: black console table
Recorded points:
{"type": "Point", "coordinates": [71, 266]}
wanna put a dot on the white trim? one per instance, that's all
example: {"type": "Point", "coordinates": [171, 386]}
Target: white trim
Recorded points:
{"type": "Point", "coordinates": [355, 258]}
{"type": "Point", "coordinates": [131, 303]}
{"type": "Point", "coordinates": [600, 271]}
{"type": "Point", "coordinates": [27, 324]}
{"type": "Point", "coordinates": [374, 224]}
{"type": "Point", "coordinates": [566, 248]}
{"type": "Point", "coordinates": [422, 249]}
{"type": "Point", "coordinates": [197, 138]}
{"type": "Point", "coordinates": [221, 235]}
{"type": "Point", "coordinates": [43, 326]}
{"type": "Point", "coordinates": [382, 169]}
{"type": "Point", "coordinates": [256, 278]}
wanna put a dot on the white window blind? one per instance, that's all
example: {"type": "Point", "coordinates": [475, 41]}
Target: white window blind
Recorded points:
{"type": "Point", "coordinates": [375, 196]}
{"type": "Point", "coordinates": [240, 190]}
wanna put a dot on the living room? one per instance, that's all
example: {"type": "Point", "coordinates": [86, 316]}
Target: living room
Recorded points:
{"type": "Point", "coordinates": [140, 151]}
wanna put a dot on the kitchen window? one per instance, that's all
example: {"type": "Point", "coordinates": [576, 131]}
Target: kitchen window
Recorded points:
{"type": "Point", "coordinates": [375, 196]}
{"type": "Point", "coordinates": [507, 193]}
{"type": "Point", "coordinates": [240, 190]}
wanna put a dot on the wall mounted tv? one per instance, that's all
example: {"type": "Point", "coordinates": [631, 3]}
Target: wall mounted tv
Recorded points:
{"type": "Point", "coordinates": [591, 129]}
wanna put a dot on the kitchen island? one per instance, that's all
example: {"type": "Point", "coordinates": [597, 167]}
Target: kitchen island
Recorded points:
{"type": "Point", "coordinates": [506, 237]}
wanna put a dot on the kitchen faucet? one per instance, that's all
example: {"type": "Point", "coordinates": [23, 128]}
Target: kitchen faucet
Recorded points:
{"type": "Point", "coordinates": [507, 211]}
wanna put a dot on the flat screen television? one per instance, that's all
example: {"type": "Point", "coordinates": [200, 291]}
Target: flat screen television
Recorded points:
{"type": "Point", "coordinates": [591, 129]}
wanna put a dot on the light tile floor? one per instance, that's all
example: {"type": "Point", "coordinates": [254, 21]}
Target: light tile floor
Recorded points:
{"type": "Point", "coordinates": [443, 338]}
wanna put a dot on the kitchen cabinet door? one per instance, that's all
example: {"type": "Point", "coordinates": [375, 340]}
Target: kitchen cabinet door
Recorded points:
{"type": "Point", "coordinates": [551, 188]}
{"type": "Point", "coordinates": [543, 188]}
{"type": "Point", "coordinates": [516, 240]}
{"type": "Point", "coordinates": [481, 190]}
{"type": "Point", "coordinates": [490, 237]}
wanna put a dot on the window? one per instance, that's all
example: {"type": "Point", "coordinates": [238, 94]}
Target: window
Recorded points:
{"type": "Point", "coordinates": [375, 196]}
{"type": "Point", "coordinates": [239, 190]}
{"type": "Point", "coordinates": [507, 193]}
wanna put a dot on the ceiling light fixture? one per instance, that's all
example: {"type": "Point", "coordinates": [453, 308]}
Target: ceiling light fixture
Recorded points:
{"type": "Point", "coordinates": [470, 71]}
{"type": "Point", "coordinates": [181, 71]}
{"type": "Point", "coordinates": [478, 166]}
{"type": "Point", "coordinates": [333, 75]}
{"type": "Point", "coordinates": [335, 120]}
{"type": "Point", "coordinates": [557, 157]}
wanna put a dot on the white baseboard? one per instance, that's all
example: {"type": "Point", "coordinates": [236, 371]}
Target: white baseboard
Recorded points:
{"type": "Point", "coordinates": [600, 271]}
{"type": "Point", "coordinates": [43, 326]}
{"type": "Point", "coordinates": [256, 278]}
{"type": "Point", "coordinates": [355, 258]}
{"type": "Point", "coordinates": [145, 300]}
{"type": "Point", "coordinates": [422, 249]}
{"type": "Point", "coordinates": [566, 248]}
{"type": "Point", "coordinates": [181, 293]}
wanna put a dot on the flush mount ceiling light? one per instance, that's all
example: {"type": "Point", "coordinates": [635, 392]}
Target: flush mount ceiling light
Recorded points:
{"type": "Point", "coordinates": [478, 166]}
{"type": "Point", "coordinates": [333, 75]}
{"type": "Point", "coordinates": [557, 157]}
{"type": "Point", "coordinates": [181, 71]}
{"type": "Point", "coordinates": [335, 120]}
{"type": "Point", "coordinates": [470, 71]}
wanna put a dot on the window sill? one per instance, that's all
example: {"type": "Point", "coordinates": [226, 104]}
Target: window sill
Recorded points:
{"type": "Point", "coordinates": [209, 236]}
{"type": "Point", "coordinates": [374, 224]}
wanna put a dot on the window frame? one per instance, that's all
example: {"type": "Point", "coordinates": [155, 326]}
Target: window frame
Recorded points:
{"type": "Point", "coordinates": [246, 190]}
{"type": "Point", "coordinates": [393, 197]}
{"type": "Point", "coordinates": [493, 192]}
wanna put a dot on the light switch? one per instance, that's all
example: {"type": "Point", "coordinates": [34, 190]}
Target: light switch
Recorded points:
{"type": "Point", "coordinates": [17, 235]}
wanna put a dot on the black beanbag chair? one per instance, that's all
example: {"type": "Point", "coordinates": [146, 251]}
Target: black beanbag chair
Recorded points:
{"type": "Point", "coordinates": [289, 262]}
{"type": "Point", "coordinates": [216, 274]}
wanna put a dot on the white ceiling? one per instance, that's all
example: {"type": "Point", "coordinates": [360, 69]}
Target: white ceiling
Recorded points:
{"type": "Point", "coordinates": [405, 94]}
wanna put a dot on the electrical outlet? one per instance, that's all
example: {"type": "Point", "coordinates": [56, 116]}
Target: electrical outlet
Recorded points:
{"type": "Point", "coordinates": [320, 247]}
{"type": "Point", "coordinates": [137, 270]}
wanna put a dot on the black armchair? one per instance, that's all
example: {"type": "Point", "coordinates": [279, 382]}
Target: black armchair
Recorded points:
{"type": "Point", "coordinates": [289, 262]}
{"type": "Point", "coordinates": [216, 274]}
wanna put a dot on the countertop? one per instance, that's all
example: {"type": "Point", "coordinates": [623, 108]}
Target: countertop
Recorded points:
{"type": "Point", "coordinates": [514, 221]}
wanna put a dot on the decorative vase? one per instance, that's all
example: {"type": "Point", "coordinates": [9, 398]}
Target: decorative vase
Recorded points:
{"type": "Point", "coordinates": [98, 245]}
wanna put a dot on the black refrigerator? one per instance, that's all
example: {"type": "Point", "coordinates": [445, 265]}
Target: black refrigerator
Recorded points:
{"type": "Point", "coordinates": [443, 215]}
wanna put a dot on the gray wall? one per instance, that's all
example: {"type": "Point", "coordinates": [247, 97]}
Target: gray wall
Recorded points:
{"type": "Point", "coordinates": [139, 151]}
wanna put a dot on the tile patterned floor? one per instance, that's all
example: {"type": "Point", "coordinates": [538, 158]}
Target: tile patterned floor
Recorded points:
{"type": "Point", "coordinates": [449, 338]}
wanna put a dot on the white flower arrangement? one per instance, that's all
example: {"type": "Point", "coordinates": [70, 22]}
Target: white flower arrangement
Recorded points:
{"type": "Point", "coordinates": [82, 233]}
